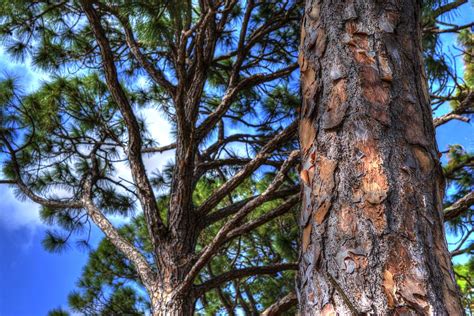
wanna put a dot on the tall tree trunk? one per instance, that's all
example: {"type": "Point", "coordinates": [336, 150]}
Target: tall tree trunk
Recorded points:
{"type": "Point", "coordinates": [373, 239]}
{"type": "Point", "coordinates": [166, 306]}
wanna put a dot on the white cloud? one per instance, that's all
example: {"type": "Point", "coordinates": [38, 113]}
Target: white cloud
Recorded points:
{"type": "Point", "coordinates": [159, 129]}
{"type": "Point", "coordinates": [15, 214]}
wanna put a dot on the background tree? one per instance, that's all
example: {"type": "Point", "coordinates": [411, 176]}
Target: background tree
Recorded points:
{"type": "Point", "coordinates": [218, 71]}
{"type": "Point", "coordinates": [366, 136]}
{"type": "Point", "coordinates": [109, 277]}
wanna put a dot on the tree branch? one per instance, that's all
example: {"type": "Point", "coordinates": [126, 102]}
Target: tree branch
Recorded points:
{"type": "Point", "coordinates": [448, 117]}
{"type": "Point", "coordinates": [260, 158]}
{"type": "Point", "coordinates": [280, 210]}
{"type": "Point", "coordinates": [156, 228]}
{"type": "Point", "coordinates": [145, 272]}
{"type": "Point", "coordinates": [459, 207]}
{"type": "Point", "coordinates": [240, 273]}
{"type": "Point", "coordinates": [155, 73]}
{"type": "Point", "coordinates": [220, 237]}
{"type": "Point", "coordinates": [235, 207]}
{"type": "Point", "coordinates": [448, 7]}
{"type": "Point", "coordinates": [52, 203]}
{"type": "Point", "coordinates": [160, 149]}
{"type": "Point", "coordinates": [232, 92]}
{"type": "Point", "coordinates": [281, 306]}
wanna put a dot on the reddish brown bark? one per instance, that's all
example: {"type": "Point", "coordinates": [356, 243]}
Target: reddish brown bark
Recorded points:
{"type": "Point", "coordinates": [373, 239]}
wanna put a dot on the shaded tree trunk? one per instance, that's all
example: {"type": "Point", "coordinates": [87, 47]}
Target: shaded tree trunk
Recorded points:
{"type": "Point", "coordinates": [373, 239]}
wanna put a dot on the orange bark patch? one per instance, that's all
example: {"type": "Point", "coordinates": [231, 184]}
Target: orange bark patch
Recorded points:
{"type": "Point", "coordinates": [309, 87]}
{"type": "Point", "coordinates": [322, 211]}
{"type": "Point", "coordinates": [389, 288]}
{"type": "Point", "coordinates": [306, 236]}
{"type": "Point", "coordinates": [374, 184]}
{"type": "Point", "coordinates": [373, 89]}
{"type": "Point", "coordinates": [328, 310]}
{"type": "Point", "coordinates": [403, 282]}
{"type": "Point", "coordinates": [304, 175]}
{"type": "Point", "coordinates": [376, 92]}
{"type": "Point", "coordinates": [307, 133]}
{"type": "Point", "coordinates": [323, 186]}
{"type": "Point", "coordinates": [384, 68]}
{"type": "Point", "coordinates": [359, 44]}
{"type": "Point", "coordinates": [337, 106]}
{"type": "Point", "coordinates": [376, 214]}
{"type": "Point", "coordinates": [414, 292]}
{"type": "Point", "coordinates": [314, 11]}
{"type": "Point", "coordinates": [360, 261]}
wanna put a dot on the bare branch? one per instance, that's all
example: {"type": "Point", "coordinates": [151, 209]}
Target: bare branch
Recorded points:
{"type": "Point", "coordinates": [448, 7]}
{"type": "Point", "coordinates": [280, 210]}
{"type": "Point", "coordinates": [235, 207]}
{"type": "Point", "coordinates": [6, 181]}
{"type": "Point", "coordinates": [260, 158]}
{"type": "Point", "coordinates": [240, 273]}
{"type": "Point", "coordinates": [232, 92]}
{"type": "Point", "coordinates": [160, 149]}
{"type": "Point", "coordinates": [281, 306]}
{"type": "Point", "coordinates": [448, 117]}
{"type": "Point", "coordinates": [459, 207]}
{"type": "Point", "coordinates": [448, 30]}
{"type": "Point", "coordinates": [464, 107]}
{"type": "Point", "coordinates": [144, 270]}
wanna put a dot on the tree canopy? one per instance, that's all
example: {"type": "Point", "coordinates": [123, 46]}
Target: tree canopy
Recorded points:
{"type": "Point", "coordinates": [222, 214]}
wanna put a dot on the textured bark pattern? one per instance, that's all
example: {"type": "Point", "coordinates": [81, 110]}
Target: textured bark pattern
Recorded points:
{"type": "Point", "coordinates": [164, 305]}
{"type": "Point", "coordinates": [372, 232]}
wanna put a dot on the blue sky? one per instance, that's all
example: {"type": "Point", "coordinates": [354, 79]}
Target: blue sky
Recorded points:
{"type": "Point", "coordinates": [33, 281]}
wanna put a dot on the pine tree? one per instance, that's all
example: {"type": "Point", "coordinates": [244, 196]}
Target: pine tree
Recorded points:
{"type": "Point", "coordinates": [219, 72]}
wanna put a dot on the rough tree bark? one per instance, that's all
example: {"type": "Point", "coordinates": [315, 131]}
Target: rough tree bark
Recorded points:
{"type": "Point", "coordinates": [373, 239]}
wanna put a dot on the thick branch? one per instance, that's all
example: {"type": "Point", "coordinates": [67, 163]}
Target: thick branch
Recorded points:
{"type": "Point", "coordinates": [449, 30]}
{"type": "Point", "coordinates": [160, 149]}
{"type": "Point", "coordinates": [459, 207]}
{"type": "Point", "coordinates": [448, 7]}
{"type": "Point", "coordinates": [281, 306]}
{"type": "Point", "coordinates": [232, 92]}
{"type": "Point", "coordinates": [464, 107]}
{"type": "Point", "coordinates": [207, 253]}
{"type": "Point", "coordinates": [240, 273]}
{"type": "Point", "coordinates": [448, 117]}
{"type": "Point", "coordinates": [260, 158]}
{"type": "Point", "coordinates": [280, 210]}
{"type": "Point", "coordinates": [145, 272]}
{"type": "Point", "coordinates": [156, 227]}
{"type": "Point", "coordinates": [235, 207]}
